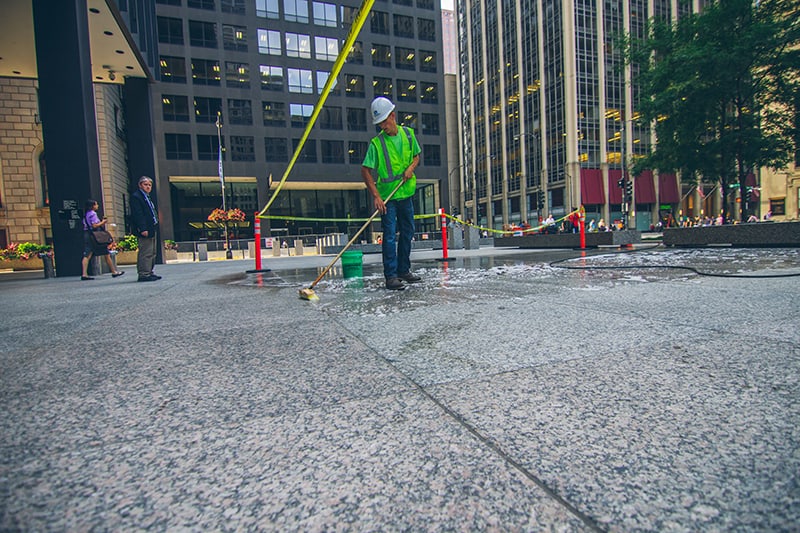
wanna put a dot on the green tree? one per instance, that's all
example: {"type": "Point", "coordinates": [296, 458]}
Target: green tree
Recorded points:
{"type": "Point", "coordinates": [721, 89]}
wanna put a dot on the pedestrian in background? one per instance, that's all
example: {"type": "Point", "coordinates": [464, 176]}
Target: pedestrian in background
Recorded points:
{"type": "Point", "coordinates": [145, 224]}
{"type": "Point", "coordinates": [91, 222]}
{"type": "Point", "coordinates": [393, 155]}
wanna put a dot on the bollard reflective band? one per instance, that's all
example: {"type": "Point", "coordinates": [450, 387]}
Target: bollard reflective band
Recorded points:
{"type": "Point", "coordinates": [389, 171]}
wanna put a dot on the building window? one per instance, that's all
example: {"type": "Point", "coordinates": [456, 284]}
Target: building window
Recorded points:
{"type": "Point", "coordinates": [430, 124]}
{"type": "Point", "coordinates": [330, 118]}
{"type": "Point", "coordinates": [240, 112]}
{"type": "Point", "coordinates": [379, 22]}
{"type": "Point", "coordinates": [234, 38]}
{"type": "Point", "coordinates": [170, 30]}
{"type": "Point", "coordinates": [406, 91]}
{"type": "Point", "coordinates": [298, 45]}
{"type": "Point", "coordinates": [201, 4]}
{"type": "Point", "coordinates": [169, 2]}
{"type": "Point", "coordinates": [355, 86]}
{"type": "Point", "coordinates": [203, 34]}
{"type": "Point", "coordinates": [426, 29]}
{"type": "Point", "coordinates": [778, 206]}
{"type": "Point", "coordinates": [267, 9]}
{"type": "Point", "coordinates": [402, 2]}
{"type": "Point", "coordinates": [425, 4]}
{"type": "Point", "coordinates": [274, 114]}
{"type": "Point", "coordinates": [237, 7]}
{"type": "Point", "coordinates": [300, 114]}
{"type": "Point", "coordinates": [431, 155]}
{"type": "Point", "coordinates": [173, 69]}
{"type": "Point", "coordinates": [332, 151]}
{"type": "Point", "coordinates": [208, 148]}
{"type": "Point", "coordinates": [356, 119]}
{"type": "Point", "coordinates": [356, 55]}
{"type": "Point", "coordinates": [206, 109]}
{"type": "Point", "coordinates": [404, 26]}
{"type": "Point", "coordinates": [269, 42]}
{"type": "Point", "coordinates": [357, 151]}
{"type": "Point", "coordinates": [175, 108]}
{"type": "Point", "coordinates": [324, 14]}
{"type": "Point", "coordinates": [405, 58]}
{"type": "Point", "coordinates": [178, 145]}
{"type": "Point", "coordinates": [295, 11]}
{"type": "Point", "coordinates": [276, 149]}
{"type": "Point", "coordinates": [237, 74]}
{"type": "Point", "coordinates": [381, 56]}
{"type": "Point", "coordinates": [428, 61]}
{"type": "Point", "coordinates": [326, 48]}
{"type": "Point", "coordinates": [242, 148]}
{"type": "Point", "coordinates": [382, 87]}
{"type": "Point", "coordinates": [429, 93]}
{"type": "Point", "coordinates": [300, 81]}
{"type": "Point", "coordinates": [322, 79]}
{"type": "Point", "coordinates": [309, 152]}
{"type": "Point", "coordinates": [205, 72]}
{"type": "Point", "coordinates": [271, 78]}
{"type": "Point", "coordinates": [349, 15]}
{"type": "Point", "coordinates": [407, 119]}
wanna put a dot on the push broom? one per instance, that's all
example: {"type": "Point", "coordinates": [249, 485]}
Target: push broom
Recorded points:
{"type": "Point", "coordinates": [308, 293]}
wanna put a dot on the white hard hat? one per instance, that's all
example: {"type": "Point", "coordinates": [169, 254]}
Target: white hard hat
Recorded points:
{"type": "Point", "coordinates": [381, 108]}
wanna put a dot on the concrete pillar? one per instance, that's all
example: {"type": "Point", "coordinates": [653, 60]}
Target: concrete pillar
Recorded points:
{"type": "Point", "coordinates": [69, 128]}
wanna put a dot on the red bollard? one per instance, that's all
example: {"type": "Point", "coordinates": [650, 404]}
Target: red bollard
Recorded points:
{"type": "Point", "coordinates": [444, 234]}
{"type": "Point", "coordinates": [582, 226]}
{"type": "Point", "coordinates": [257, 235]}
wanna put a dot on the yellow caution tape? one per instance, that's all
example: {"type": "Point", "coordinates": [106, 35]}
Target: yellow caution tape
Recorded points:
{"type": "Point", "coordinates": [359, 21]}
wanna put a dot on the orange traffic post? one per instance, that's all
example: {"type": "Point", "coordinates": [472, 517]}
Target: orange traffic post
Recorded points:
{"type": "Point", "coordinates": [444, 234]}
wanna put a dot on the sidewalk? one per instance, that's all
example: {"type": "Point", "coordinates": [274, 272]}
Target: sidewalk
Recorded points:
{"type": "Point", "coordinates": [502, 393]}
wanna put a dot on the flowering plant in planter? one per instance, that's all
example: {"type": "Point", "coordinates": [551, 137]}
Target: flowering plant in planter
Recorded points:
{"type": "Point", "coordinates": [128, 243]}
{"type": "Point", "coordinates": [169, 244]}
{"type": "Point", "coordinates": [231, 215]}
{"type": "Point", "coordinates": [25, 251]}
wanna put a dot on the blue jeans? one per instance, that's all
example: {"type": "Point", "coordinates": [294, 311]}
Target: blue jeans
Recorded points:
{"type": "Point", "coordinates": [397, 251]}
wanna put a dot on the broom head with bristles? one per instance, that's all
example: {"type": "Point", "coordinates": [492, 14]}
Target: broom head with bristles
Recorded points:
{"type": "Point", "coordinates": [308, 294]}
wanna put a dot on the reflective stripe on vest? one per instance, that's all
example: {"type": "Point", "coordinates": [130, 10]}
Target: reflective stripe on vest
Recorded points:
{"type": "Point", "coordinates": [389, 171]}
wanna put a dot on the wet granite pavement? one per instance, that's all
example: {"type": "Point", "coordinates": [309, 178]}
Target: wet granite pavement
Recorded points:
{"type": "Point", "coordinates": [508, 391]}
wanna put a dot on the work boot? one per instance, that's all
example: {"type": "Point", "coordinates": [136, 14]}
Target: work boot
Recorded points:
{"type": "Point", "coordinates": [394, 284]}
{"type": "Point", "coordinates": [408, 277]}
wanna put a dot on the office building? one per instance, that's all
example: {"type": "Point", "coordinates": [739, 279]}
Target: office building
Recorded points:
{"type": "Point", "coordinates": [550, 111]}
{"type": "Point", "coordinates": [262, 65]}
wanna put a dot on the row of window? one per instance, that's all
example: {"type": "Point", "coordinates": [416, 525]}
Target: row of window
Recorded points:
{"type": "Point", "coordinates": [175, 108]}
{"type": "Point", "coordinates": [178, 146]}
{"type": "Point", "coordinates": [293, 10]}
{"type": "Point", "coordinates": [234, 37]}
{"type": "Point", "coordinates": [208, 71]}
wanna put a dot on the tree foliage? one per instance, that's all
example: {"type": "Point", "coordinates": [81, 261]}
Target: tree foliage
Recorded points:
{"type": "Point", "coordinates": [721, 88]}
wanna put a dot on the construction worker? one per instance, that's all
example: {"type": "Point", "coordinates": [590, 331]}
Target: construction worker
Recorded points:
{"type": "Point", "coordinates": [392, 156]}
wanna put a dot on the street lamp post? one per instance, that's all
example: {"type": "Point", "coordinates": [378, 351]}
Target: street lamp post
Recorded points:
{"type": "Point", "coordinates": [228, 251]}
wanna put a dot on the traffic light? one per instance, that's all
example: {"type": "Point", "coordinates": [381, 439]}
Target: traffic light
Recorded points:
{"type": "Point", "coordinates": [621, 183]}
{"type": "Point", "coordinates": [629, 190]}
{"type": "Point", "coordinates": [540, 200]}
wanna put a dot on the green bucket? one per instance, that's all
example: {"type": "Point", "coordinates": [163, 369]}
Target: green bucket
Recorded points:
{"type": "Point", "coordinates": [352, 264]}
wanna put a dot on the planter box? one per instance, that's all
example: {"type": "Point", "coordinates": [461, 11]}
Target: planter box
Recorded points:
{"type": "Point", "coordinates": [23, 264]}
{"type": "Point", "coordinates": [127, 257]}
{"type": "Point", "coordinates": [170, 255]}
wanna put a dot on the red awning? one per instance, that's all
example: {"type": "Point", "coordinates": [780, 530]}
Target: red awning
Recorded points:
{"type": "Point", "coordinates": [644, 188]}
{"type": "Point", "coordinates": [668, 189]}
{"type": "Point", "coordinates": [592, 186]}
{"type": "Point", "coordinates": [614, 192]}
